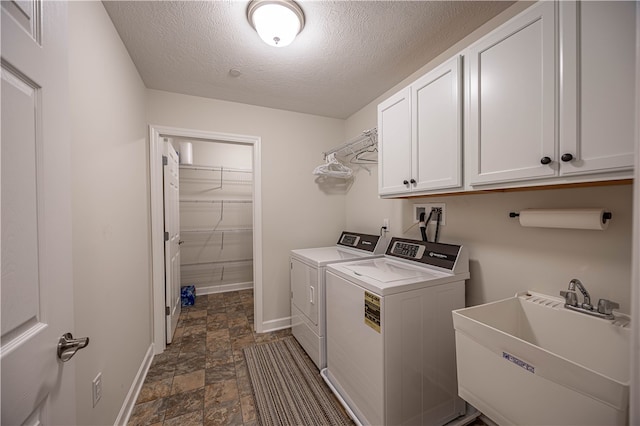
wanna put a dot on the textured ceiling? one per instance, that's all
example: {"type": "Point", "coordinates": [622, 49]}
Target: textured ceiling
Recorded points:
{"type": "Point", "coordinates": [348, 53]}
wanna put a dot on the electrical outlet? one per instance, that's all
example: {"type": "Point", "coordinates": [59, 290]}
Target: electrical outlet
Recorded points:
{"type": "Point", "coordinates": [97, 389]}
{"type": "Point", "coordinates": [426, 208]}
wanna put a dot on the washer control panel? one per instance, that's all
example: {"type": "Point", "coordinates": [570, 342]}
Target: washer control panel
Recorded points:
{"type": "Point", "coordinates": [406, 249]}
{"type": "Point", "coordinates": [434, 254]}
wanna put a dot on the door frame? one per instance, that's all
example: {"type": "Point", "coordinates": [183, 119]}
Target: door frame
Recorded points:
{"type": "Point", "coordinates": [156, 133]}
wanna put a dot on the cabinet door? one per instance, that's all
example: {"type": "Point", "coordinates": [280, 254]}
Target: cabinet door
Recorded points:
{"type": "Point", "coordinates": [511, 99]}
{"type": "Point", "coordinates": [394, 144]}
{"type": "Point", "coordinates": [598, 80]}
{"type": "Point", "coordinates": [437, 128]}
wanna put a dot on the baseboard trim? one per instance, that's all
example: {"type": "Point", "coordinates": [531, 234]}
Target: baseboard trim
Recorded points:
{"type": "Point", "coordinates": [276, 324]}
{"type": "Point", "coordinates": [134, 390]}
{"type": "Point", "coordinates": [213, 289]}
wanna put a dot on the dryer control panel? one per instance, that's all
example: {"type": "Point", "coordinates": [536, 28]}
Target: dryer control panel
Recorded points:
{"type": "Point", "coordinates": [435, 254]}
{"type": "Point", "coordinates": [370, 243]}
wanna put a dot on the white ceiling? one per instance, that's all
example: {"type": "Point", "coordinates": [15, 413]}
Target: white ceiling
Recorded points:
{"type": "Point", "coordinates": [348, 54]}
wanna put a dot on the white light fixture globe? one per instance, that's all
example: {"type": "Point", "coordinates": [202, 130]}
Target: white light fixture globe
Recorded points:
{"type": "Point", "coordinates": [277, 22]}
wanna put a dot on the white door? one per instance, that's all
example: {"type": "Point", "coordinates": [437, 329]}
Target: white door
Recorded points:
{"type": "Point", "coordinates": [437, 127]}
{"type": "Point", "coordinates": [172, 238]}
{"type": "Point", "coordinates": [37, 290]}
{"type": "Point", "coordinates": [510, 128]}
{"type": "Point", "coordinates": [394, 146]}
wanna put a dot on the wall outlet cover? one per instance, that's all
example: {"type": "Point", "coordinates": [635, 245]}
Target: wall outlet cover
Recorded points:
{"type": "Point", "coordinates": [426, 208]}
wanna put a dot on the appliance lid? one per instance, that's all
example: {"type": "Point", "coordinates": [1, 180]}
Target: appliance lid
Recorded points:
{"type": "Point", "coordinates": [387, 271]}
{"type": "Point", "coordinates": [321, 256]}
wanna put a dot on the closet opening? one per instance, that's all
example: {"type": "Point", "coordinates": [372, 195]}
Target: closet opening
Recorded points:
{"type": "Point", "coordinates": [206, 220]}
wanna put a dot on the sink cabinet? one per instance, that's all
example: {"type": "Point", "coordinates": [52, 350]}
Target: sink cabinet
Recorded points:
{"type": "Point", "coordinates": [420, 134]}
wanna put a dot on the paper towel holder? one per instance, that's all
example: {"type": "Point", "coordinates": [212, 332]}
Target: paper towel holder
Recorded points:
{"type": "Point", "coordinates": [605, 216]}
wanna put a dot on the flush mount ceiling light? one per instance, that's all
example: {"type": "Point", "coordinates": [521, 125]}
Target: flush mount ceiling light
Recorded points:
{"type": "Point", "coordinates": [277, 22]}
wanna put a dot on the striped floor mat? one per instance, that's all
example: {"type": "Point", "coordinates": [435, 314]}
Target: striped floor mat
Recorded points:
{"type": "Point", "coordinates": [288, 388]}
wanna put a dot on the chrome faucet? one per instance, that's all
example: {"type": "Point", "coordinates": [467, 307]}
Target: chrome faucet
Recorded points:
{"type": "Point", "coordinates": [605, 307]}
{"type": "Point", "coordinates": [586, 303]}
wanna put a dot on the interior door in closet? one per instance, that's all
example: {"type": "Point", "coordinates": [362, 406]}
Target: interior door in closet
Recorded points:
{"type": "Point", "coordinates": [172, 238]}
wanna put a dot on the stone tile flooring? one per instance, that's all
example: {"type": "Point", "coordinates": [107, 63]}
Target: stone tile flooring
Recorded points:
{"type": "Point", "coordinates": [202, 378]}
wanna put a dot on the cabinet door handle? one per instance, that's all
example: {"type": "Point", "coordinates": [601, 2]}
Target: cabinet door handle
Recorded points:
{"type": "Point", "coordinates": [406, 182]}
{"type": "Point", "coordinates": [413, 181]}
{"type": "Point", "coordinates": [545, 160]}
{"type": "Point", "coordinates": [566, 157]}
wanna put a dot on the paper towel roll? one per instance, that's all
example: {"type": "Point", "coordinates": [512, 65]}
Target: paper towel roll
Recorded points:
{"type": "Point", "coordinates": [565, 218]}
{"type": "Point", "coordinates": [186, 153]}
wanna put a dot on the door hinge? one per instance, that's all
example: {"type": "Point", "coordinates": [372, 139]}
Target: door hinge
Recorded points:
{"type": "Point", "coordinates": [167, 310]}
{"type": "Point", "coordinates": [165, 160]}
{"type": "Point", "coordinates": [166, 236]}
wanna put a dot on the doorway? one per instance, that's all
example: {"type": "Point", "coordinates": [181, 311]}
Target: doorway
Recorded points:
{"type": "Point", "coordinates": [202, 258]}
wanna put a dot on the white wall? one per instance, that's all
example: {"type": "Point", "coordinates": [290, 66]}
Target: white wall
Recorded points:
{"type": "Point", "coordinates": [506, 258]}
{"type": "Point", "coordinates": [296, 212]}
{"type": "Point", "coordinates": [111, 249]}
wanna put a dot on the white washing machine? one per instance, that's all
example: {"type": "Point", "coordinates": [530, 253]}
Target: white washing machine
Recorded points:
{"type": "Point", "coordinates": [390, 337]}
{"type": "Point", "coordinates": [307, 287]}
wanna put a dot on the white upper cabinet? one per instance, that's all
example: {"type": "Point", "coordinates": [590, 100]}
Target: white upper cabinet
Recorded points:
{"type": "Point", "coordinates": [597, 86]}
{"type": "Point", "coordinates": [394, 144]}
{"type": "Point", "coordinates": [549, 98]}
{"type": "Point", "coordinates": [420, 134]}
{"type": "Point", "coordinates": [510, 99]}
{"type": "Point", "coordinates": [436, 101]}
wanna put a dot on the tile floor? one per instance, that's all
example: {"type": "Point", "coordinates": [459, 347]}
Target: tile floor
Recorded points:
{"type": "Point", "coordinates": [202, 378]}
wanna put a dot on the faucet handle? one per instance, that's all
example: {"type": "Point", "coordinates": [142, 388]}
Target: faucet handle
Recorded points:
{"type": "Point", "coordinates": [607, 306]}
{"type": "Point", "coordinates": [570, 298]}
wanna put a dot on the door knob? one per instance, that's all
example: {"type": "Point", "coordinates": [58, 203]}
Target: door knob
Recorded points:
{"type": "Point", "coordinates": [545, 160]}
{"type": "Point", "coordinates": [413, 181]}
{"type": "Point", "coordinates": [406, 182]}
{"type": "Point", "coordinates": [68, 346]}
{"type": "Point", "coordinates": [566, 157]}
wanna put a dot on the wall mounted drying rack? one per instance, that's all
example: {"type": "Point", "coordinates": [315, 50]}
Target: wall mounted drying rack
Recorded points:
{"type": "Point", "coordinates": [367, 141]}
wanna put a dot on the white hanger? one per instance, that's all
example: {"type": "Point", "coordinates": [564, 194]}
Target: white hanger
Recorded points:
{"type": "Point", "coordinates": [333, 168]}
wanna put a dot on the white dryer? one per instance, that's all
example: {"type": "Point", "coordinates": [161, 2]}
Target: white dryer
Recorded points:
{"type": "Point", "coordinates": [390, 337]}
{"type": "Point", "coordinates": [307, 286]}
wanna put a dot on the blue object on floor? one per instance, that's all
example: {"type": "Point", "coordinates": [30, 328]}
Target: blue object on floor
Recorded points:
{"type": "Point", "coordinates": [188, 295]}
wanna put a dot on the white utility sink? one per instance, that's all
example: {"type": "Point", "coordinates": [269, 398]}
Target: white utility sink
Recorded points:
{"type": "Point", "coordinates": [527, 360]}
